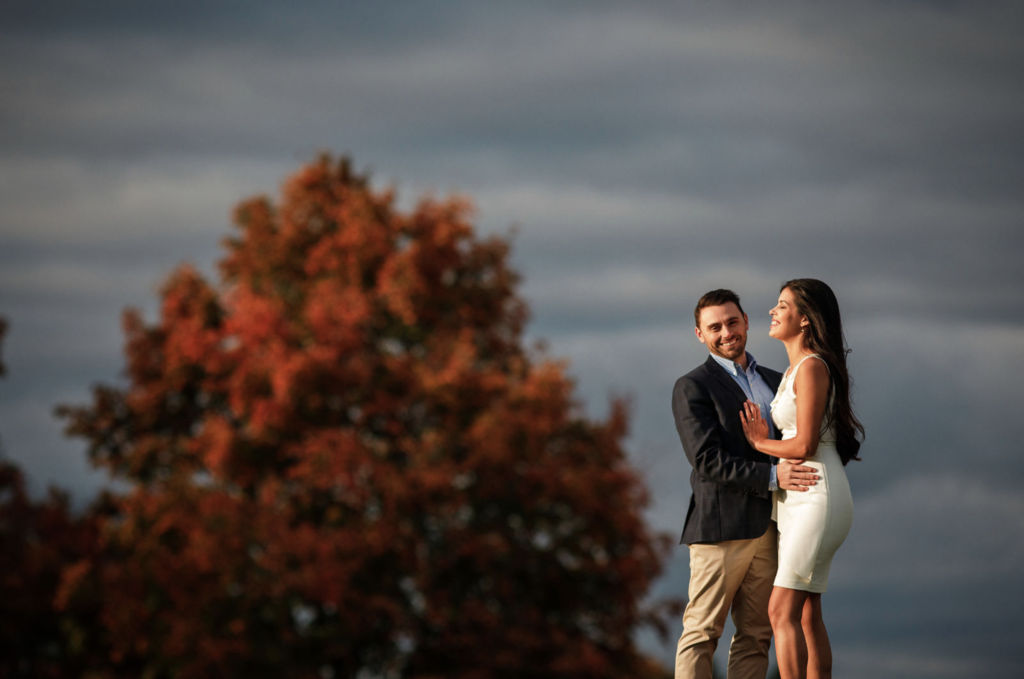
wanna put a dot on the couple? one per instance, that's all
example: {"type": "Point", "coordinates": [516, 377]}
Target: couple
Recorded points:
{"type": "Point", "coordinates": [761, 536]}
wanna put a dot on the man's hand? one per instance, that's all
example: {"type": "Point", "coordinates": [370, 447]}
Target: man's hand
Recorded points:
{"type": "Point", "coordinates": [794, 475]}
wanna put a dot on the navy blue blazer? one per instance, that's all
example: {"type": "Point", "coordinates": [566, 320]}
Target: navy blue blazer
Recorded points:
{"type": "Point", "coordinates": [730, 499]}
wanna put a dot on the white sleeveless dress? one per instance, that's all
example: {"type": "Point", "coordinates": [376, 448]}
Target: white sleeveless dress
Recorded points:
{"type": "Point", "coordinates": [814, 523]}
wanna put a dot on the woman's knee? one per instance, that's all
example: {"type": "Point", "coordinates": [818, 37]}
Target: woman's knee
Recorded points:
{"type": "Point", "coordinates": [784, 610]}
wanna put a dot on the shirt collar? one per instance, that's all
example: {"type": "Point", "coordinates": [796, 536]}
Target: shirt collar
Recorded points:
{"type": "Point", "coordinates": [733, 367]}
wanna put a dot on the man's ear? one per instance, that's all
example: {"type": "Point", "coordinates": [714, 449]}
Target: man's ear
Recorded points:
{"type": "Point", "coordinates": [699, 335]}
{"type": "Point", "coordinates": [746, 323]}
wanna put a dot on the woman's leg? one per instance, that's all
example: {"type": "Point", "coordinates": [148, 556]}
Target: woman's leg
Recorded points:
{"type": "Point", "coordinates": [785, 610]}
{"type": "Point", "coordinates": [819, 651]}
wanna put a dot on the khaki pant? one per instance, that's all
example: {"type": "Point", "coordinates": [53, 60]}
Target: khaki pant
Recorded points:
{"type": "Point", "coordinates": [736, 574]}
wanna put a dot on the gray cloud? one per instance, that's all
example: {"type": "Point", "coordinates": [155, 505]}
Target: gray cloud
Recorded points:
{"type": "Point", "coordinates": [648, 154]}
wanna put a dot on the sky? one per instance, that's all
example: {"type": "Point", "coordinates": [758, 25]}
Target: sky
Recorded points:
{"type": "Point", "coordinates": [644, 153]}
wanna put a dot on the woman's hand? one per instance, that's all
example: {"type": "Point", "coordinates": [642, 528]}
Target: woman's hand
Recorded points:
{"type": "Point", "coordinates": [754, 426]}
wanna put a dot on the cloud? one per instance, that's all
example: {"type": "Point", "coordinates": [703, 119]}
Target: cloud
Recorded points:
{"type": "Point", "coordinates": [115, 209]}
{"type": "Point", "coordinates": [928, 530]}
{"type": "Point", "coordinates": [647, 153]}
{"type": "Point", "coordinates": [907, 663]}
{"type": "Point", "coordinates": [32, 438]}
{"type": "Point", "coordinates": [72, 280]}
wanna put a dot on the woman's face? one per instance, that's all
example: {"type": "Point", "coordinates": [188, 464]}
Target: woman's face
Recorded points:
{"type": "Point", "coordinates": [786, 320]}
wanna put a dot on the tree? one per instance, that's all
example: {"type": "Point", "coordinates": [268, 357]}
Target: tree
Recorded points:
{"type": "Point", "coordinates": [341, 461]}
{"type": "Point", "coordinates": [38, 539]}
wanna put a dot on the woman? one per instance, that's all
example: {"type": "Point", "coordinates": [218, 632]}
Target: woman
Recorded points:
{"type": "Point", "coordinates": [812, 409]}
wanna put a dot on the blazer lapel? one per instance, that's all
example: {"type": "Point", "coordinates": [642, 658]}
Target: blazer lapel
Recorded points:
{"type": "Point", "coordinates": [726, 380]}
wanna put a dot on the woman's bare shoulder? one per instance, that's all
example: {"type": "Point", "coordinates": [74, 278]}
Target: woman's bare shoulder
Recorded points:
{"type": "Point", "coordinates": [811, 373]}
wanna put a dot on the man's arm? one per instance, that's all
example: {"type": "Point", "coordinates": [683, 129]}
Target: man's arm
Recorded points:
{"type": "Point", "coordinates": [701, 434]}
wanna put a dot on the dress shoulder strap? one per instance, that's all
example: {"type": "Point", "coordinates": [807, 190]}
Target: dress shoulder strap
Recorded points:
{"type": "Point", "coordinates": [797, 366]}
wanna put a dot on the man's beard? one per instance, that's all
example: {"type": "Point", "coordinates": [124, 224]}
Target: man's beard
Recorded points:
{"type": "Point", "coordinates": [733, 351]}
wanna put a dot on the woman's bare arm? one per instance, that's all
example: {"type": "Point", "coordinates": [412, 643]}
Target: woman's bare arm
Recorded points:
{"type": "Point", "coordinates": [811, 388]}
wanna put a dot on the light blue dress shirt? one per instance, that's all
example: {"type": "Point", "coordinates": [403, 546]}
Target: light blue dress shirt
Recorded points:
{"type": "Point", "coordinates": [758, 391]}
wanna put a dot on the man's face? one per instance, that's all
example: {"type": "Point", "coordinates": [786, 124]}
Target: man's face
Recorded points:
{"type": "Point", "coordinates": [724, 329]}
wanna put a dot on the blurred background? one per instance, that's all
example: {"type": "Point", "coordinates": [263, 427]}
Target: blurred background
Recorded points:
{"type": "Point", "coordinates": [646, 153]}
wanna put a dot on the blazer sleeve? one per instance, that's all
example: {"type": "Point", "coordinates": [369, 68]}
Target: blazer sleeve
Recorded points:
{"type": "Point", "coordinates": [703, 437]}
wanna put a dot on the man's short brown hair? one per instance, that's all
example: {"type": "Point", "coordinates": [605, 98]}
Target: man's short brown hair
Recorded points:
{"type": "Point", "coordinates": [716, 298]}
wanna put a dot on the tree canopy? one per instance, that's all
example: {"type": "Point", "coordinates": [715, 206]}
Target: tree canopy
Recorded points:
{"type": "Point", "coordinates": [38, 540]}
{"type": "Point", "coordinates": [340, 460]}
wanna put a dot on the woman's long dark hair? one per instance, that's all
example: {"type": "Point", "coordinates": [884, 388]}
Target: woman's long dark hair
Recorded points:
{"type": "Point", "coordinates": [824, 336]}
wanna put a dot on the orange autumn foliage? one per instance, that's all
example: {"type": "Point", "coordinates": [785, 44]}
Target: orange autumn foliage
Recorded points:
{"type": "Point", "coordinates": [341, 460]}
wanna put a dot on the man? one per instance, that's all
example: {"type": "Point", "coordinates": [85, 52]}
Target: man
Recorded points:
{"type": "Point", "coordinates": [729, 531]}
